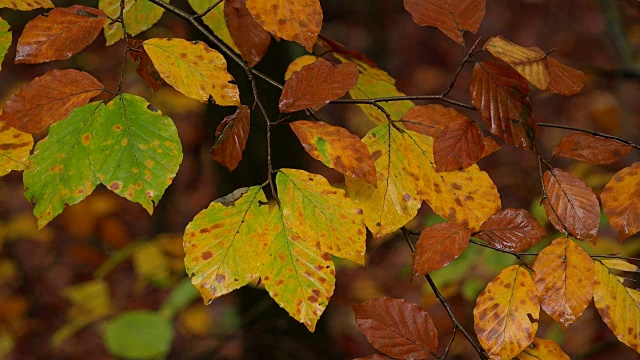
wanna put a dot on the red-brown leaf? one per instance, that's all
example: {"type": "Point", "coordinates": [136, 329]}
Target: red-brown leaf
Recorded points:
{"type": "Point", "coordinates": [574, 203]}
{"type": "Point", "coordinates": [490, 146]}
{"type": "Point", "coordinates": [231, 138]}
{"type": "Point", "coordinates": [397, 328]}
{"type": "Point", "coordinates": [316, 84]}
{"type": "Point", "coordinates": [621, 201]}
{"type": "Point", "coordinates": [459, 146]}
{"type": "Point", "coordinates": [564, 80]}
{"type": "Point", "coordinates": [512, 230]}
{"type": "Point", "coordinates": [146, 70]}
{"type": "Point", "coordinates": [591, 149]}
{"type": "Point", "coordinates": [452, 17]}
{"type": "Point", "coordinates": [438, 246]}
{"type": "Point", "coordinates": [250, 38]}
{"type": "Point", "coordinates": [59, 34]}
{"type": "Point", "coordinates": [431, 119]}
{"type": "Point", "coordinates": [500, 95]}
{"type": "Point", "coordinates": [49, 98]}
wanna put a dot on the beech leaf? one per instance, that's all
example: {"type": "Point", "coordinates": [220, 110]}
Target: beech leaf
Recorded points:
{"type": "Point", "coordinates": [298, 63]}
{"type": "Point", "coordinates": [231, 138]}
{"type": "Point", "coordinates": [543, 349]}
{"type": "Point", "coordinates": [564, 80]}
{"type": "Point", "coordinates": [512, 230]}
{"type": "Point", "coordinates": [431, 119]}
{"type": "Point", "coordinates": [460, 145]}
{"type": "Point", "coordinates": [591, 149]}
{"type": "Point", "coordinates": [5, 39]}
{"type": "Point", "coordinates": [139, 15]}
{"type": "Point", "coordinates": [490, 146]}
{"type": "Point", "coordinates": [215, 20]}
{"type": "Point", "coordinates": [15, 147]}
{"type": "Point", "coordinates": [438, 246]}
{"type": "Point", "coordinates": [49, 98]}
{"type": "Point", "coordinates": [452, 17]}
{"type": "Point", "coordinates": [146, 70]}
{"type": "Point", "coordinates": [25, 5]}
{"type": "Point", "coordinates": [621, 201]}
{"type": "Point", "coordinates": [251, 39]}
{"type": "Point", "coordinates": [529, 63]}
{"type": "Point", "coordinates": [397, 328]}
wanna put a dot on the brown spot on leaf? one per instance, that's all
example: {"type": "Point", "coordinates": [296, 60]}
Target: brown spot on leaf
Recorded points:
{"type": "Point", "coordinates": [207, 255]}
{"type": "Point", "coordinates": [220, 278]}
{"type": "Point", "coordinates": [115, 186]}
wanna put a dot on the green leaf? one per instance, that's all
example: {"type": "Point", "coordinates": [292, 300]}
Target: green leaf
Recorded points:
{"type": "Point", "coordinates": [139, 335]}
{"type": "Point", "coordinates": [135, 150]}
{"type": "Point", "coordinates": [139, 15]}
{"type": "Point", "coordinates": [5, 38]}
{"type": "Point", "coordinates": [215, 20]}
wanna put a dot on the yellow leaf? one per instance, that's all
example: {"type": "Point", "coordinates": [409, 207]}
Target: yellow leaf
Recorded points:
{"type": "Point", "coordinates": [531, 64]}
{"type": "Point", "coordinates": [506, 313]}
{"type": "Point", "coordinates": [619, 264]}
{"type": "Point", "coordinates": [323, 216]}
{"type": "Point", "coordinates": [26, 5]}
{"type": "Point", "coordinates": [621, 201]}
{"type": "Point", "coordinates": [215, 20]}
{"type": "Point", "coordinates": [15, 146]}
{"type": "Point", "coordinates": [543, 349]}
{"type": "Point", "coordinates": [139, 15]}
{"type": "Point", "coordinates": [617, 307]}
{"type": "Point", "coordinates": [194, 69]}
{"type": "Point", "coordinates": [151, 263]}
{"type": "Point", "coordinates": [298, 63]}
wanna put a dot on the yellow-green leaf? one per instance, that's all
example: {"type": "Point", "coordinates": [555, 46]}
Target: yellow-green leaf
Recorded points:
{"type": "Point", "coordinates": [323, 216]}
{"type": "Point", "coordinates": [214, 20]}
{"type": "Point", "coordinates": [5, 39]}
{"type": "Point", "coordinates": [25, 5]}
{"type": "Point", "coordinates": [541, 349]}
{"type": "Point", "coordinates": [139, 15]}
{"type": "Point", "coordinates": [194, 69]}
{"type": "Point", "coordinates": [15, 146]}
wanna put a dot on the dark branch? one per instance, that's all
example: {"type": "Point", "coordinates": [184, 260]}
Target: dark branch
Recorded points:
{"type": "Point", "coordinates": [591, 132]}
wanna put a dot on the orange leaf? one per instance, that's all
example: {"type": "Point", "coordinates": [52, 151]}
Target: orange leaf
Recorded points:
{"type": "Point", "coordinates": [452, 17]}
{"type": "Point", "coordinates": [294, 20]}
{"type": "Point", "coordinates": [459, 146]}
{"type": "Point", "coordinates": [564, 80]}
{"type": "Point", "coordinates": [621, 201]}
{"type": "Point", "coordinates": [146, 70]}
{"type": "Point", "coordinates": [591, 149]}
{"type": "Point", "coordinates": [26, 4]}
{"type": "Point", "coordinates": [49, 98]}
{"type": "Point", "coordinates": [500, 95]}
{"type": "Point", "coordinates": [506, 313]}
{"type": "Point", "coordinates": [490, 146]}
{"type": "Point", "coordinates": [528, 62]}
{"type": "Point", "coordinates": [431, 119]}
{"type": "Point", "coordinates": [397, 328]}
{"type": "Point", "coordinates": [316, 84]}
{"type": "Point", "coordinates": [438, 246]}
{"type": "Point", "coordinates": [543, 349]}
{"type": "Point", "coordinates": [337, 148]}
{"type": "Point", "coordinates": [564, 278]}
{"type": "Point", "coordinates": [59, 35]}
{"type": "Point", "coordinates": [231, 135]}
{"type": "Point", "coordinates": [571, 205]}
{"type": "Point", "coordinates": [252, 40]}
{"type": "Point", "coordinates": [512, 230]}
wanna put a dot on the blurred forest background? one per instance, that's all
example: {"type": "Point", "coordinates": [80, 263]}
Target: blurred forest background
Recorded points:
{"type": "Point", "coordinates": [62, 287]}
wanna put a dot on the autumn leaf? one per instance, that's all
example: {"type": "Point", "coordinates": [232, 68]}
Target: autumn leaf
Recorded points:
{"type": "Point", "coordinates": [316, 84]}
{"type": "Point", "coordinates": [619, 264]}
{"type": "Point", "coordinates": [397, 328]}
{"type": "Point", "coordinates": [512, 230]}
{"type": "Point", "coordinates": [49, 98]}
{"type": "Point", "coordinates": [531, 64]}
{"type": "Point", "coordinates": [564, 80]}
{"type": "Point", "coordinates": [15, 147]}
{"type": "Point", "coordinates": [500, 95]}
{"type": "Point", "coordinates": [619, 306]}
{"type": "Point", "coordinates": [337, 148]}
{"type": "Point", "coordinates": [452, 17]}
{"type": "Point", "coordinates": [490, 146]}
{"type": "Point", "coordinates": [591, 149]}
{"type": "Point", "coordinates": [5, 39]}
{"type": "Point", "coordinates": [543, 349]}
{"type": "Point", "coordinates": [506, 313]}
{"type": "Point", "coordinates": [221, 242]}
{"type": "Point", "coordinates": [139, 15]}
{"type": "Point", "coordinates": [25, 5]}
{"type": "Point", "coordinates": [147, 72]}
{"type": "Point", "coordinates": [563, 274]}
{"type": "Point", "coordinates": [323, 216]}
{"type": "Point", "coordinates": [194, 69]}
{"type": "Point", "coordinates": [294, 20]}
{"type": "Point", "coordinates": [135, 150]}
{"type": "Point", "coordinates": [621, 201]}
{"type": "Point", "coordinates": [59, 35]}
{"type": "Point", "coordinates": [214, 19]}
{"type": "Point", "coordinates": [252, 40]}
{"type": "Point", "coordinates": [571, 205]}
{"type": "Point", "coordinates": [298, 63]}
{"type": "Point", "coordinates": [231, 138]}
{"type": "Point", "coordinates": [431, 119]}
{"type": "Point", "coordinates": [438, 246]}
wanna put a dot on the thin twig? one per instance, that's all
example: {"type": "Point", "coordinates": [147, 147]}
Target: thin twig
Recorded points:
{"type": "Point", "coordinates": [120, 19]}
{"type": "Point", "coordinates": [208, 10]}
{"type": "Point", "coordinates": [448, 348]}
{"type": "Point", "coordinates": [591, 132]}
{"type": "Point", "coordinates": [465, 58]}
{"type": "Point", "coordinates": [374, 101]}
{"type": "Point", "coordinates": [517, 255]}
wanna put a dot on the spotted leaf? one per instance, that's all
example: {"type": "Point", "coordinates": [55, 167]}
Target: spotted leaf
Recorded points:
{"type": "Point", "coordinates": [139, 15]}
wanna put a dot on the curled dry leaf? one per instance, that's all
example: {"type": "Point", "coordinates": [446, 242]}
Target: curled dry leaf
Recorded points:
{"type": "Point", "coordinates": [564, 276]}
{"type": "Point", "coordinates": [294, 20]}
{"type": "Point", "coordinates": [529, 63]}
{"type": "Point", "coordinates": [146, 70]}
{"type": "Point", "coordinates": [316, 84]}
{"type": "Point", "coordinates": [506, 313]}
{"type": "Point", "coordinates": [397, 328]}
{"type": "Point", "coordinates": [591, 149]}
{"type": "Point", "coordinates": [337, 148]}
{"type": "Point", "coordinates": [543, 349]}
{"type": "Point", "coordinates": [500, 95]}
{"type": "Point", "coordinates": [571, 205]}
{"type": "Point", "coordinates": [452, 17]}
{"type": "Point", "coordinates": [512, 230]}
{"type": "Point", "coordinates": [438, 246]}
{"type": "Point", "coordinates": [621, 201]}
{"type": "Point", "coordinates": [49, 98]}
{"type": "Point", "coordinates": [251, 39]}
{"type": "Point", "coordinates": [15, 147]}
{"type": "Point", "coordinates": [231, 138]}
{"type": "Point", "coordinates": [25, 5]}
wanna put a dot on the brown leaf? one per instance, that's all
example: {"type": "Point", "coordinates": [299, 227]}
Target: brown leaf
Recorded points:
{"type": "Point", "coordinates": [591, 149]}
{"type": "Point", "coordinates": [49, 98]}
{"type": "Point", "coordinates": [397, 328]}
{"type": "Point", "coordinates": [564, 275]}
{"type": "Point", "coordinates": [316, 84]}
{"type": "Point", "coordinates": [500, 95]}
{"type": "Point", "coordinates": [621, 201]}
{"type": "Point", "coordinates": [530, 63]}
{"type": "Point", "coordinates": [431, 119]}
{"type": "Point", "coordinates": [438, 246]}
{"type": "Point", "coordinates": [452, 17]}
{"type": "Point", "coordinates": [337, 148]}
{"type": "Point", "coordinates": [59, 34]}
{"type": "Point", "coordinates": [231, 135]}
{"type": "Point", "coordinates": [564, 80]}
{"type": "Point", "coordinates": [373, 357]}
{"type": "Point", "coordinates": [459, 146]}
{"type": "Point", "coordinates": [571, 206]}
{"type": "Point", "coordinates": [490, 146]}
{"type": "Point", "coordinates": [250, 38]}
{"type": "Point", "coordinates": [146, 70]}
{"type": "Point", "coordinates": [512, 230]}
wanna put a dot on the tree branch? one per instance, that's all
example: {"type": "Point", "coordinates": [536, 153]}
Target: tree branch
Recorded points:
{"type": "Point", "coordinates": [591, 132]}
